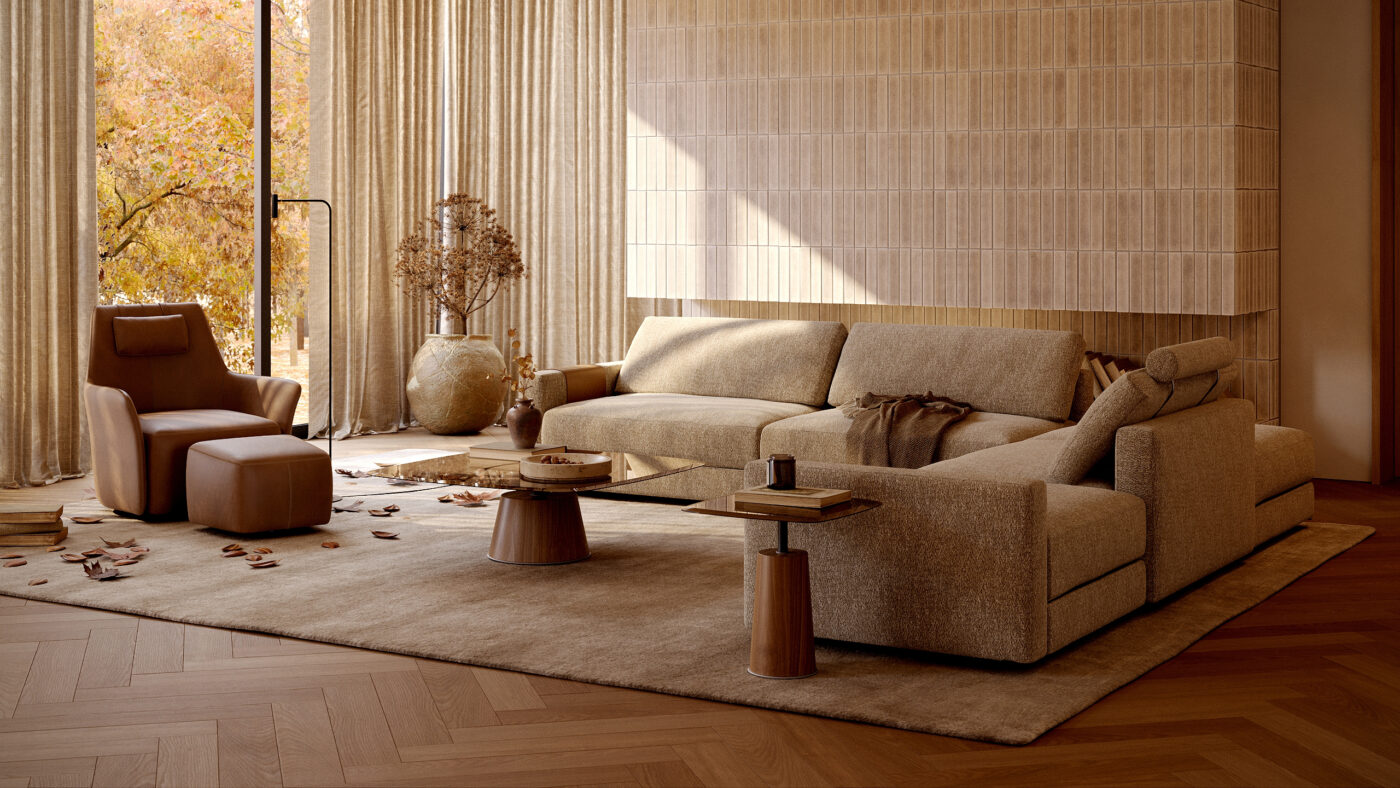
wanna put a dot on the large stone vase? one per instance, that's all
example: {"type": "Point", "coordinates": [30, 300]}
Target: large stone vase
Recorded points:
{"type": "Point", "coordinates": [456, 383]}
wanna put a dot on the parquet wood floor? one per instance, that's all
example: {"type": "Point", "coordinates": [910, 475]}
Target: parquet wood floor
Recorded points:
{"type": "Point", "coordinates": [1302, 690]}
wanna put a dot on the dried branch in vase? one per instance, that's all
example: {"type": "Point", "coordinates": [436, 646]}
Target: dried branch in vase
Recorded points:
{"type": "Point", "coordinates": [521, 376]}
{"type": "Point", "coordinates": [462, 259]}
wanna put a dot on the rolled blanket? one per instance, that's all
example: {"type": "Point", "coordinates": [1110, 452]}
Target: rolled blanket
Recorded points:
{"type": "Point", "coordinates": [899, 431]}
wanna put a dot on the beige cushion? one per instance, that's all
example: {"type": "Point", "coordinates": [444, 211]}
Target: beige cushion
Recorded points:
{"type": "Point", "coordinates": [821, 436]}
{"type": "Point", "coordinates": [778, 360]}
{"type": "Point", "coordinates": [1092, 532]}
{"type": "Point", "coordinates": [1189, 358]}
{"type": "Point", "coordinates": [267, 483]}
{"type": "Point", "coordinates": [1132, 398]}
{"type": "Point", "coordinates": [1283, 459]}
{"type": "Point", "coordinates": [721, 431]}
{"type": "Point", "coordinates": [998, 370]}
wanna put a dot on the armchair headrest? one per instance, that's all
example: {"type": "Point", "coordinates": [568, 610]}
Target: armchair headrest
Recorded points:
{"type": "Point", "coordinates": [160, 335]}
{"type": "Point", "coordinates": [1189, 359]}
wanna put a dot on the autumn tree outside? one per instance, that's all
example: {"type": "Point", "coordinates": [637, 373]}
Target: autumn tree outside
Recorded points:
{"type": "Point", "coordinates": [175, 161]}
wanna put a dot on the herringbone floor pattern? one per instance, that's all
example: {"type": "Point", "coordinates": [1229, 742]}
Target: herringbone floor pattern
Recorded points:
{"type": "Point", "coordinates": [1302, 690]}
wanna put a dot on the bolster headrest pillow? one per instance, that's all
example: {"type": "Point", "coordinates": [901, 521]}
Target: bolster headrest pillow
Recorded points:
{"type": "Point", "coordinates": [161, 335]}
{"type": "Point", "coordinates": [1175, 362]}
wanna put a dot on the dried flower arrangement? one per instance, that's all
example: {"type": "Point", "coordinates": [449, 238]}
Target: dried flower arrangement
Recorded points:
{"type": "Point", "coordinates": [462, 259]}
{"type": "Point", "coordinates": [524, 367]}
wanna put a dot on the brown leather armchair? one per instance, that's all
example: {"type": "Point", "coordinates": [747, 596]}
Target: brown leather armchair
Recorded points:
{"type": "Point", "coordinates": [157, 385]}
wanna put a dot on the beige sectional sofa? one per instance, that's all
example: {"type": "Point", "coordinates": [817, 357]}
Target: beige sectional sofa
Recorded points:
{"type": "Point", "coordinates": [1025, 535]}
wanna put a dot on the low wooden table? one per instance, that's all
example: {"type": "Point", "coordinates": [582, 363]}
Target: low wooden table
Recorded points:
{"type": "Point", "coordinates": [781, 645]}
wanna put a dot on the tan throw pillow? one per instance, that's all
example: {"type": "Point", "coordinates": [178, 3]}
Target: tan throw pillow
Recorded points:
{"type": "Point", "coordinates": [1129, 400]}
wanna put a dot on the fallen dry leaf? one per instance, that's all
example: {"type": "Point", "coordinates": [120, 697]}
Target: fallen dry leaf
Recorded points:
{"type": "Point", "coordinates": [330, 545]}
{"type": "Point", "coordinates": [233, 553]}
{"type": "Point", "coordinates": [73, 558]}
{"type": "Point", "coordinates": [124, 562]}
{"type": "Point", "coordinates": [55, 548]}
{"type": "Point", "coordinates": [256, 557]}
{"type": "Point", "coordinates": [385, 534]}
{"type": "Point", "coordinates": [379, 513]}
{"type": "Point", "coordinates": [94, 552]}
{"type": "Point", "coordinates": [121, 556]}
{"type": "Point", "coordinates": [234, 546]}
{"type": "Point", "coordinates": [127, 543]}
{"type": "Point", "coordinates": [140, 549]}
{"type": "Point", "coordinates": [11, 555]}
{"type": "Point", "coordinates": [14, 563]}
{"type": "Point", "coordinates": [349, 507]}
{"type": "Point", "coordinates": [97, 571]}
{"type": "Point", "coordinates": [475, 499]}
{"type": "Point", "coordinates": [263, 564]}
{"type": "Point", "coordinates": [38, 581]}
{"type": "Point", "coordinates": [263, 550]}
{"type": "Point", "coordinates": [351, 474]}
{"type": "Point", "coordinates": [86, 520]}
{"type": "Point", "coordinates": [393, 507]}
{"type": "Point", "coordinates": [445, 499]}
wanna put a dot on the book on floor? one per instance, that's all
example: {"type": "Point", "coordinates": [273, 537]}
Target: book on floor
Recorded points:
{"type": "Point", "coordinates": [29, 528]}
{"type": "Point", "coordinates": [802, 497]}
{"type": "Point", "coordinates": [12, 513]}
{"type": "Point", "coordinates": [505, 450]}
{"type": "Point", "coordinates": [26, 540]}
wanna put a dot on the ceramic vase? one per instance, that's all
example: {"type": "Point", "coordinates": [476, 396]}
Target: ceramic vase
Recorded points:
{"type": "Point", "coordinates": [456, 382]}
{"type": "Point", "coordinates": [524, 422]}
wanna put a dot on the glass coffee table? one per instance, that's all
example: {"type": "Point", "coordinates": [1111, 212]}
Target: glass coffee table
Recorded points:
{"type": "Point", "coordinates": [538, 523]}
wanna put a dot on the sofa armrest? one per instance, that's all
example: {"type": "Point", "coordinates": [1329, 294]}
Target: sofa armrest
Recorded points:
{"type": "Point", "coordinates": [1194, 470]}
{"type": "Point", "coordinates": [951, 564]}
{"type": "Point", "coordinates": [118, 448]}
{"type": "Point", "coordinates": [552, 386]}
{"type": "Point", "coordinates": [272, 398]}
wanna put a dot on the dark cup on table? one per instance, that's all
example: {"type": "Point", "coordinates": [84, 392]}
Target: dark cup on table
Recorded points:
{"type": "Point", "coordinates": [782, 472]}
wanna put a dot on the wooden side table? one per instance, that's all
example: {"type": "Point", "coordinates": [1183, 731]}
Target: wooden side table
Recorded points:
{"type": "Point", "coordinates": [781, 645]}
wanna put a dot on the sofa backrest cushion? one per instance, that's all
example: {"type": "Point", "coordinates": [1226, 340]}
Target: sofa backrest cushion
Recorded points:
{"type": "Point", "coordinates": [1017, 371]}
{"type": "Point", "coordinates": [162, 355]}
{"type": "Point", "coordinates": [1132, 398]}
{"type": "Point", "coordinates": [776, 360]}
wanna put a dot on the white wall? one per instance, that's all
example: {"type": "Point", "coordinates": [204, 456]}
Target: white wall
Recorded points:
{"type": "Point", "coordinates": [1325, 244]}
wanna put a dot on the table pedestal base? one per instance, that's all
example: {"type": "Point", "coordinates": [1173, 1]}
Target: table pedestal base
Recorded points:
{"type": "Point", "coordinates": [538, 528]}
{"type": "Point", "coordinates": [782, 645]}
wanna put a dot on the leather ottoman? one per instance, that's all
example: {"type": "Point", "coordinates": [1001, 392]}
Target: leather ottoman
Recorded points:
{"type": "Point", "coordinates": [260, 483]}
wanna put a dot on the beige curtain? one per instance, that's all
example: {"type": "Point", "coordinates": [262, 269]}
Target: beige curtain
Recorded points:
{"type": "Point", "coordinates": [48, 237]}
{"type": "Point", "coordinates": [375, 89]}
{"type": "Point", "coordinates": [535, 113]}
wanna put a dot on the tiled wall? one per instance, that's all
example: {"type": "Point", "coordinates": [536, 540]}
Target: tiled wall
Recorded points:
{"type": "Point", "coordinates": [1103, 166]}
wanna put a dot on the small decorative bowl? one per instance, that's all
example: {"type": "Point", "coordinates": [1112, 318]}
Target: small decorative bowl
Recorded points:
{"type": "Point", "coordinates": [581, 467]}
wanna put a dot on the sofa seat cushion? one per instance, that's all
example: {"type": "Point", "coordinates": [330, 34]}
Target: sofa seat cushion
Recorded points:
{"type": "Point", "coordinates": [718, 431]}
{"type": "Point", "coordinates": [821, 436]}
{"type": "Point", "coordinates": [1091, 533]}
{"type": "Point", "coordinates": [1028, 459]}
{"type": "Point", "coordinates": [1283, 459]}
{"type": "Point", "coordinates": [169, 435]}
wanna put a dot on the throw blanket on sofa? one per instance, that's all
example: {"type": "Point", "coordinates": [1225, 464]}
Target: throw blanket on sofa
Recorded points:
{"type": "Point", "coordinates": [899, 431]}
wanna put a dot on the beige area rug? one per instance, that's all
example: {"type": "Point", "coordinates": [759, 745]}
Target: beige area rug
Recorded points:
{"type": "Point", "coordinates": [659, 607]}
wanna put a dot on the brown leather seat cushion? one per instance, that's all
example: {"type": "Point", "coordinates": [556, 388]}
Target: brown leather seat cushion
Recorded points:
{"type": "Point", "coordinates": [263, 483]}
{"type": "Point", "coordinates": [170, 434]}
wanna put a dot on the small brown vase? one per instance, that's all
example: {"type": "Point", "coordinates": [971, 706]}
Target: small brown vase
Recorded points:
{"type": "Point", "coordinates": [524, 422]}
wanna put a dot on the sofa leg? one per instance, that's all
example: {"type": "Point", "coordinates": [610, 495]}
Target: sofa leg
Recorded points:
{"type": "Point", "coordinates": [782, 645]}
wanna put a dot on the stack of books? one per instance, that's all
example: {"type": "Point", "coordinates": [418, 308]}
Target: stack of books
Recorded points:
{"type": "Point", "coordinates": [797, 497]}
{"type": "Point", "coordinates": [1107, 369]}
{"type": "Point", "coordinates": [27, 525]}
{"type": "Point", "coordinates": [505, 450]}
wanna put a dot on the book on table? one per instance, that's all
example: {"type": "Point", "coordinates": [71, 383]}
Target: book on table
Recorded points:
{"type": "Point", "coordinates": [800, 497]}
{"type": "Point", "coordinates": [505, 450]}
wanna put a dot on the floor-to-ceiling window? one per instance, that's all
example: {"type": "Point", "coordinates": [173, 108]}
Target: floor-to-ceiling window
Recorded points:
{"type": "Point", "coordinates": [175, 165]}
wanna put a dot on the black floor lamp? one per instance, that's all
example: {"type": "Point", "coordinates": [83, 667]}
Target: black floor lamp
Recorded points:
{"type": "Point", "coordinates": [330, 317]}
